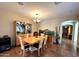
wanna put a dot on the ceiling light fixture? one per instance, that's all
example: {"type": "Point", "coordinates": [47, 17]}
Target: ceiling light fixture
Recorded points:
{"type": "Point", "coordinates": [36, 19]}
{"type": "Point", "coordinates": [20, 3]}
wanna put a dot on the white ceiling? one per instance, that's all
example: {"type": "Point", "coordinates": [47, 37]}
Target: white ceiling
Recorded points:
{"type": "Point", "coordinates": [46, 10]}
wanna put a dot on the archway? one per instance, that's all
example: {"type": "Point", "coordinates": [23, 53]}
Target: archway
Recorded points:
{"type": "Point", "coordinates": [74, 38]}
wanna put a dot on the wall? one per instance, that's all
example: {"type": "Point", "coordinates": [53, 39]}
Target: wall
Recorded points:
{"type": "Point", "coordinates": [7, 27]}
{"type": "Point", "coordinates": [50, 24]}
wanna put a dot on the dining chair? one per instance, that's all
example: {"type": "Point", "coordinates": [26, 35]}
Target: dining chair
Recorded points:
{"type": "Point", "coordinates": [34, 48]}
{"type": "Point", "coordinates": [24, 47]}
{"type": "Point", "coordinates": [42, 35]}
{"type": "Point", "coordinates": [45, 42]}
{"type": "Point", "coordinates": [35, 34]}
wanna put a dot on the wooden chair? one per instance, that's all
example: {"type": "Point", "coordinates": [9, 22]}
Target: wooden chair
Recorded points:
{"type": "Point", "coordinates": [33, 48]}
{"type": "Point", "coordinates": [35, 34]}
{"type": "Point", "coordinates": [45, 42]}
{"type": "Point", "coordinates": [24, 47]}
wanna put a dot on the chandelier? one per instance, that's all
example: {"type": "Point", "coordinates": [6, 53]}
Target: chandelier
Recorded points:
{"type": "Point", "coordinates": [36, 19]}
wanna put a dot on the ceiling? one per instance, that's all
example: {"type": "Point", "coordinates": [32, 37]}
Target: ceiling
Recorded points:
{"type": "Point", "coordinates": [46, 10]}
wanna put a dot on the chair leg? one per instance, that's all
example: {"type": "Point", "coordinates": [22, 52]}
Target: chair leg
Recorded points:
{"type": "Point", "coordinates": [45, 46]}
{"type": "Point", "coordinates": [41, 50]}
{"type": "Point", "coordinates": [20, 52]}
{"type": "Point", "coordinates": [38, 52]}
{"type": "Point", "coordinates": [23, 53]}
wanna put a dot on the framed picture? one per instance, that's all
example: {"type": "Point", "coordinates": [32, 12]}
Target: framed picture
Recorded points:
{"type": "Point", "coordinates": [28, 28]}
{"type": "Point", "coordinates": [20, 27]}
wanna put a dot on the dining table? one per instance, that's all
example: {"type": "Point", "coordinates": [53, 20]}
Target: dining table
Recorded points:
{"type": "Point", "coordinates": [32, 40]}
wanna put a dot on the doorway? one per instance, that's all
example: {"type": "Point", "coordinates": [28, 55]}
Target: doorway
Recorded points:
{"type": "Point", "coordinates": [67, 36]}
{"type": "Point", "coordinates": [67, 32]}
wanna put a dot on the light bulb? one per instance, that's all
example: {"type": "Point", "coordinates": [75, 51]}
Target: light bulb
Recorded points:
{"type": "Point", "coordinates": [38, 20]}
{"type": "Point", "coordinates": [34, 20]}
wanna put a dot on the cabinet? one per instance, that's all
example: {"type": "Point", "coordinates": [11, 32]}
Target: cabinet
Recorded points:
{"type": "Point", "coordinates": [5, 44]}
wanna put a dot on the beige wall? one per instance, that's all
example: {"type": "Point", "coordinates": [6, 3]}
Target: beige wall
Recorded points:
{"type": "Point", "coordinates": [50, 24]}
{"type": "Point", "coordinates": [7, 26]}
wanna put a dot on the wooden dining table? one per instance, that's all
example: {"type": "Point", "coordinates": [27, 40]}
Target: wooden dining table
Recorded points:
{"type": "Point", "coordinates": [32, 39]}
